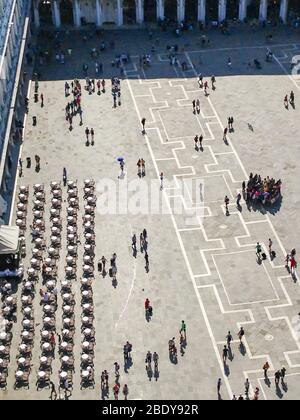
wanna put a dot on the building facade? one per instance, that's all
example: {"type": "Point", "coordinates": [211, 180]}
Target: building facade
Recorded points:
{"type": "Point", "coordinates": [14, 24]}
{"type": "Point", "coordinates": [120, 12]}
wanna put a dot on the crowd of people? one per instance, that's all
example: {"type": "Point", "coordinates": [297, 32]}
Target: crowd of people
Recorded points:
{"type": "Point", "coordinates": [265, 191]}
{"type": "Point", "coordinates": [116, 91]}
{"type": "Point", "coordinates": [73, 107]}
{"type": "Point", "coordinates": [143, 247]}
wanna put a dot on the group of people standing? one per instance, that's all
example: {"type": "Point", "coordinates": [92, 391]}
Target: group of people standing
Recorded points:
{"type": "Point", "coordinates": [143, 247]}
{"type": "Point", "coordinates": [74, 106]}
{"type": "Point", "coordinates": [116, 91]}
{"type": "Point", "coordinates": [116, 387]}
{"type": "Point", "coordinates": [290, 100]}
{"type": "Point", "coordinates": [89, 132]}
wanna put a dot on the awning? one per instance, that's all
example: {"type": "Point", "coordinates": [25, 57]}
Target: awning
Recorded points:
{"type": "Point", "coordinates": [9, 239]}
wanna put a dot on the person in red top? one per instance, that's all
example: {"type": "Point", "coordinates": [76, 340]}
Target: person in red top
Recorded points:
{"type": "Point", "coordinates": [293, 265]}
{"type": "Point", "coordinates": [116, 390]}
{"type": "Point", "coordinates": [147, 304]}
{"type": "Point", "coordinates": [205, 87]}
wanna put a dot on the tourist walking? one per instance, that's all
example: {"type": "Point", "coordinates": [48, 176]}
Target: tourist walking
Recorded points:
{"type": "Point", "coordinates": [238, 199]}
{"type": "Point", "coordinates": [113, 260]}
{"type": "Point", "coordinates": [133, 242]}
{"type": "Point", "coordinates": [139, 165]}
{"type": "Point", "coordinates": [143, 122]}
{"type": "Point", "coordinates": [244, 188]}
{"type": "Point", "coordinates": [282, 374]}
{"type": "Point", "coordinates": [142, 242]}
{"type": "Point", "coordinates": [287, 260]}
{"type": "Point", "coordinates": [225, 134]}
{"type": "Point", "coordinates": [256, 394]}
{"type": "Point", "coordinates": [183, 329]}
{"type": "Point", "coordinates": [103, 261]}
{"type": "Point", "coordinates": [205, 87]}
{"type": "Point", "coordinates": [70, 122]}
{"type": "Point", "coordinates": [213, 81]}
{"type": "Point", "coordinates": [200, 81]}
{"type": "Point", "coordinates": [266, 366]}
{"type": "Point", "coordinates": [277, 378]}
{"type": "Point", "coordinates": [37, 163]}
{"type": "Point", "coordinates": [102, 380]}
{"type": "Point", "coordinates": [155, 359]}
{"type": "Point", "coordinates": [125, 391]}
{"type": "Point", "coordinates": [64, 177]}
{"type": "Point", "coordinates": [99, 87]}
{"type": "Point", "coordinates": [226, 201]}
{"type": "Point", "coordinates": [196, 142]}
{"type": "Point", "coordinates": [67, 88]}
{"type": "Point", "coordinates": [293, 264]}
{"type": "Point", "coordinates": [219, 383]}
{"type": "Point", "coordinates": [161, 180]}
{"type": "Point", "coordinates": [147, 303]}
{"type": "Point", "coordinates": [147, 260]}
{"type": "Point", "coordinates": [194, 105]}
{"type": "Point", "coordinates": [292, 98]}
{"type": "Point", "coordinates": [143, 164]}
{"type": "Point", "coordinates": [87, 133]}
{"type": "Point", "coordinates": [116, 389]}
{"type": "Point", "coordinates": [225, 354]}
{"type": "Point", "coordinates": [92, 136]}
{"type": "Point", "coordinates": [200, 141]}
{"type": "Point", "coordinates": [247, 386]}
{"type": "Point", "coordinates": [127, 350]}
{"type": "Point", "coordinates": [229, 338]}
{"type": "Point", "coordinates": [270, 246]}
{"type": "Point", "coordinates": [117, 370]}
{"type": "Point", "coordinates": [258, 250]}
{"type": "Point", "coordinates": [241, 334]}
{"type": "Point", "coordinates": [148, 358]}
{"type": "Point", "coordinates": [53, 391]}
{"type": "Point", "coordinates": [122, 164]}
{"type": "Point", "coordinates": [106, 377]}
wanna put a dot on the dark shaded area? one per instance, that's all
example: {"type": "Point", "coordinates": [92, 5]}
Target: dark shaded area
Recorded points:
{"type": "Point", "coordinates": [150, 11]}
{"type": "Point", "coordinates": [66, 12]}
{"type": "Point", "coordinates": [232, 9]}
{"type": "Point", "coordinates": [129, 12]}
{"type": "Point", "coordinates": [191, 10]}
{"type": "Point", "coordinates": [135, 41]}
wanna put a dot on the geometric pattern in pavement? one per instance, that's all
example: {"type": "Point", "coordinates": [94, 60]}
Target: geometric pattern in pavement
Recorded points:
{"type": "Point", "coordinates": [264, 301]}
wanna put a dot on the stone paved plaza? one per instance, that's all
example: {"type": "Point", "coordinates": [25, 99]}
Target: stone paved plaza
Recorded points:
{"type": "Point", "coordinates": [205, 273]}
